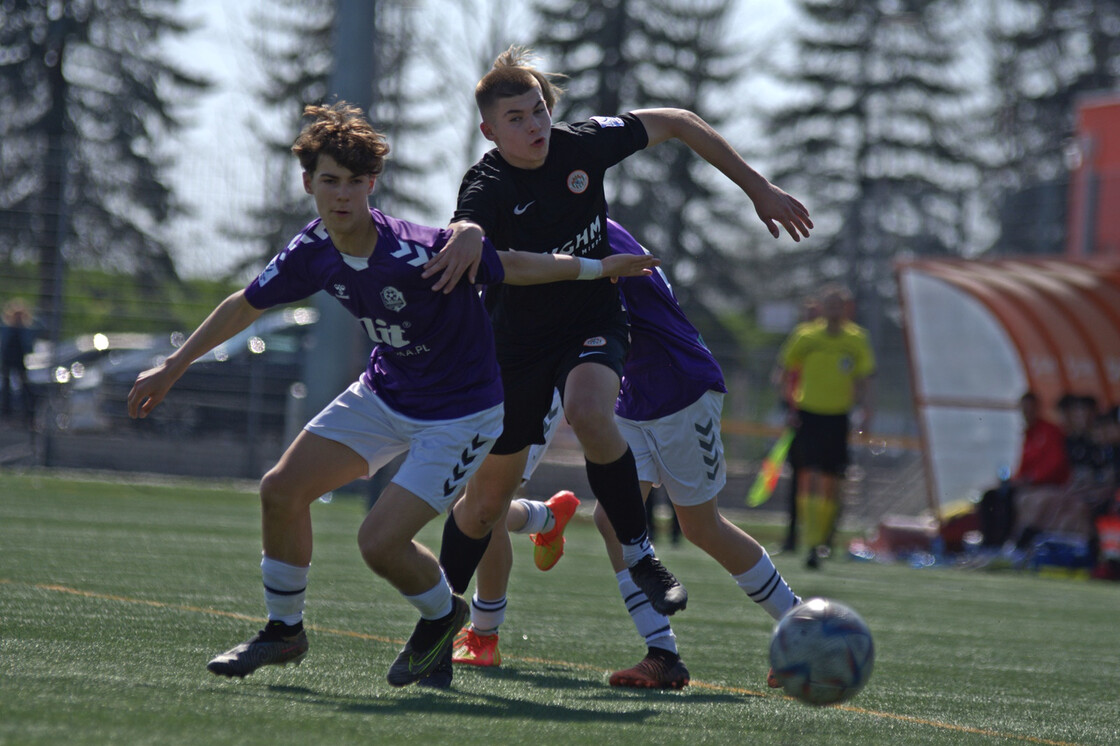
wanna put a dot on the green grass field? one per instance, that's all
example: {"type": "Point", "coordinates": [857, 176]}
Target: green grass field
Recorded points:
{"type": "Point", "coordinates": [113, 596]}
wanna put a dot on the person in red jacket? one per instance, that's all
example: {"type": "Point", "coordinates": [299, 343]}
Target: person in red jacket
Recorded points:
{"type": "Point", "coordinates": [1043, 460]}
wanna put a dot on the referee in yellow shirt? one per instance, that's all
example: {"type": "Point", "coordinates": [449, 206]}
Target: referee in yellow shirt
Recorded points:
{"type": "Point", "coordinates": [832, 362]}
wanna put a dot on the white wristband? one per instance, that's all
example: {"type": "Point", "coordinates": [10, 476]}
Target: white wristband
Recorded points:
{"type": "Point", "coordinates": [590, 269]}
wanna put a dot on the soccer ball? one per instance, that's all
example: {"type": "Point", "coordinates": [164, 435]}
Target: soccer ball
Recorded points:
{"type": "Point", "coordinates": [821, 652]}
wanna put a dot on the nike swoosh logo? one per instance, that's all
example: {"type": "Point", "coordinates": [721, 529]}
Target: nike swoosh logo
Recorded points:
{"type": "Point", "coordinates": [592, 352]}
{"type": "Point", "coordinates": [519, 209]}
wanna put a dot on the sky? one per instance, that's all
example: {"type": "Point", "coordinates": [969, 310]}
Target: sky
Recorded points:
{"type": "Point", "coordinates": [220, 172]}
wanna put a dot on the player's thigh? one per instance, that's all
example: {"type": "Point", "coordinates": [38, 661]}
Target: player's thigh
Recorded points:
{"type": "Point", "coordinates": [313, 466]}
{"type": "Point", "coordinates": [394, 519]}
{"type": "Point", "coordinates": [489, 492]}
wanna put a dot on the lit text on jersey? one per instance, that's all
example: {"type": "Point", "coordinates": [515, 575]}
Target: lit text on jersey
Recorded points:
{"type": "Point", "coordinates": [383, 333]}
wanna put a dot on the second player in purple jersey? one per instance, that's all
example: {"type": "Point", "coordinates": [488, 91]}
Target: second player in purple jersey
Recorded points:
{"type": "Point", "coordinates": [434, 353]}
{"type": "Point", "coordinates": [669, 366]}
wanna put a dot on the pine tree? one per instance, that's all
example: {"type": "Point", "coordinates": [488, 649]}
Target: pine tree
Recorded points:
{"type": "Point", "coordinates": [86, 103]}
{"type": "Point", "coordinates": [870, 139]}
{"type": "Point", "coordinates": [297, 57]}
{"type": "Point", "coordinates": [1046, 55]}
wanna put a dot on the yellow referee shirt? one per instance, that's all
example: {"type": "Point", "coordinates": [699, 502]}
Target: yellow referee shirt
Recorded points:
{"type": "Point", "coordinates": [829, 365]}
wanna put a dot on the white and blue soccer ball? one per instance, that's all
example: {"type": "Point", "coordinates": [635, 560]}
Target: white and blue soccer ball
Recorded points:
{"type": "Point", "coordinates": [821, 651]}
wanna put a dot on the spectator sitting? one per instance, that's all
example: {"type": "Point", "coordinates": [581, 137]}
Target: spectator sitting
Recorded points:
{"type": "Point", "coordinates": [1070, 509]}
{"type": "Point", "coordinates": [1043, 461]}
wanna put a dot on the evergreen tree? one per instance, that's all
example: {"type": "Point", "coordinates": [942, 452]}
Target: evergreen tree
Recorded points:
{"type": "Point", "coordinates": [871, 139]}
{"type": "Point", "coordinates": [297, 58]}
{"type": "Point", "coordinates": [626, 55]}
{"type": "Point", "coordinates": [1046, 55]}
{"type": "Point", "coordinates": [86, 102]}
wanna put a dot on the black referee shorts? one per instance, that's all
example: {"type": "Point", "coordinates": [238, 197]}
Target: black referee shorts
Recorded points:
{"type": "Point", "coordinates": [823, 442]}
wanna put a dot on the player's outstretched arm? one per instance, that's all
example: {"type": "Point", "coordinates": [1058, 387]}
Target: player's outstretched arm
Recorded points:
{"type": "Point", "coordinates": [231, 316]}
{"type": "Point", "coordinates": [462, 253]}
{"type": "Point", "coordinates": [773, 206]}
{"type": "Point", "coordinates": [526, 268]}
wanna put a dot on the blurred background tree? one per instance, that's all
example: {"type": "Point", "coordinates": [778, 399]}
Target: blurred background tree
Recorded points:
{"type": "Point", "coordinates": [87, 105]}
{"type": "Point", "coordinates": [1046, 55]}
{"type": "Point", "coordinates": [662, 53]}
{"type": "Point", "coordinates": [296, 55]}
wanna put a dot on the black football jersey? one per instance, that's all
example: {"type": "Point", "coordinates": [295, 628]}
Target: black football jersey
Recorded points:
{"type": "Point", "coordinates": [560, 207]}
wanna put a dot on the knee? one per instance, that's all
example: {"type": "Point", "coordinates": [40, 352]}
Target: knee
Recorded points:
{"type": "Point", "coordinates": [586, 419]}
{"type": "Point", "coordinates": [277, 497]}
{"type": "Point", "coordinates": [477, 514]}
{"type": "Point", "coordinates": [375, 549]}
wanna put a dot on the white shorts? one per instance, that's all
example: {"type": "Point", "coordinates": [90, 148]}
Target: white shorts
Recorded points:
{"type": "Point", "coordinates": [442, 454]}
{"type": "Point", "coordinates": [682, 452]}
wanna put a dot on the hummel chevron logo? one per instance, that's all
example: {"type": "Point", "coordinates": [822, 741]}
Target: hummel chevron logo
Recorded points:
{"type": "Point", "coordinates": [459, 471]}
{"type": "Point", "coordinates": [418, 253]}
{"type": "Point", "coordinates": [709, 445]}
{"type": "Point", "coordinates": [520, 209]}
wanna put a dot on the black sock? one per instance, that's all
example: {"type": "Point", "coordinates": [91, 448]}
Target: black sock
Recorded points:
{"type": "Point", "coordinates": [276, 628]}
{"type": "Point", "coordinates": [667, 656]}
{"type": "Point", "coordinates": [459, 555]}
{"type": "Point", "coordinates": [615, 486]}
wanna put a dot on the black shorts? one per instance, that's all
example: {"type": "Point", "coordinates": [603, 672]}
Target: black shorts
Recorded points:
{"type": "Point", "coordinates": [823, 442]}
{"type": "Point", "coordinates": [530, 375]}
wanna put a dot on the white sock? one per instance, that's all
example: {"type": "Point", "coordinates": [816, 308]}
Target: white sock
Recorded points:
{"type": "Point", "coordinates": [767, 588]}
{"type": "Point", "coordinates": [631, 553]}
{"type": "Point", "coordinates": [285, 589]}
{"type": "Point", "coordinates": [652, 626]}
{"type": "Point", "coordinates": [487, 616]}
{"type": "Point", "coordinates": [539, 517]}
{"type": "Point", "coordinates": [435, 602]}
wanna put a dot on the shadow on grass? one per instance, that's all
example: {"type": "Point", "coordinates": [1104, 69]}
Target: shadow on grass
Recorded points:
{"type": "Point", "coordinates": [456, 702]}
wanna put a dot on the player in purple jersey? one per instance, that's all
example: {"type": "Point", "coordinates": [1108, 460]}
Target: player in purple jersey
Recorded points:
{"type": "Point", "coordinates": [541, 190]}
{"type": "Point", "coordinates": [431, 390]}
{"type": "Point", "coordinates": [669, 411]}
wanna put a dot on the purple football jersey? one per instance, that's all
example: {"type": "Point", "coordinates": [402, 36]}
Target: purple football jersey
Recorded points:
{"type": "Point", "coordinates": [669, 366]}
{"type": "Point", "coordinates": [433, 355]}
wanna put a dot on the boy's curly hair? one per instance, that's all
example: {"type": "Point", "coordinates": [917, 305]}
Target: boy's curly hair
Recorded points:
{"type": "Point", "coordinates": [342, 132]}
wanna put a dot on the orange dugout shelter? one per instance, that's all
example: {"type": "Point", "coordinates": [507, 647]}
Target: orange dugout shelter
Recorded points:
{"type": "Point", "coordinates": [980, 333]}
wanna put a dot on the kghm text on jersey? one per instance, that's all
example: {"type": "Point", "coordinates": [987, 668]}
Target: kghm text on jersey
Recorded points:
{"type": "Point", "coordinates": [586, 239]}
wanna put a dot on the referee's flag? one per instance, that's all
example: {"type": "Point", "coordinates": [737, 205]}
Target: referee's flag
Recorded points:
{"type": "Point", "coordinates": [771, 470]}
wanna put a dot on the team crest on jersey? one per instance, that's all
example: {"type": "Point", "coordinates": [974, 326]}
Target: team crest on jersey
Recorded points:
{"type": "Point", "coordinates": [608, 121]}
{"type": "Point", "coordinates": [340, 291]}
{"type": "Point", "coordinates": [595, 342]}
{"type": "Point", "coordinates": [578, 181]}
{"type": "Point", "coordinates": [392, 298]}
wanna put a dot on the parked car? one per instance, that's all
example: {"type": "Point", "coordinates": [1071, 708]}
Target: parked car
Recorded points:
{"type": "Point", "coordinates": [242, 386]}
{"type": "Point", "coordinates": [52, 370]}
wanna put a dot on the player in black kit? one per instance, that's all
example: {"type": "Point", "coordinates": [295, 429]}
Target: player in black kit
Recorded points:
{"type": "Point", "coordinates": [541, 190]}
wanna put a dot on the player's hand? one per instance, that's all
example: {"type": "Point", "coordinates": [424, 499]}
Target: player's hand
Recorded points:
{"type": "Point", "coordinates": [148, 391]}
{"type": "Point", "coordinates": [461, 254]}
{"type": "Point", "coordinates": [775, 207]}
{"type": "Point", "coordinates": [629, 265]}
